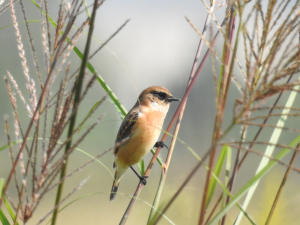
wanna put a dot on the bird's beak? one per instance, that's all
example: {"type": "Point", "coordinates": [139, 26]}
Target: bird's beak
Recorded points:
{"type": "Point", "coordinates": [172, 99]}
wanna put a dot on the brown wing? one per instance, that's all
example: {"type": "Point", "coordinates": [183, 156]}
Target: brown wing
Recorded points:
{"type": "Point", "coordinates": [126, 126]}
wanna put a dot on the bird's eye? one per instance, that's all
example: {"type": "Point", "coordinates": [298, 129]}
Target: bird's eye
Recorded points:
{"type": "Point", "coordinates": [161, 95]}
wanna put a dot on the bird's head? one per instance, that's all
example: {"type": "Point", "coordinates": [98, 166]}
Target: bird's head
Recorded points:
{"type": "Point", "coordinates": [156, 97]}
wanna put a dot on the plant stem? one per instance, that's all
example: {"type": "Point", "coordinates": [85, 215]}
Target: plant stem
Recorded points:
{"type": "Point", "coordinates": [251, 144]}
{"type": "Point", "coordinates": [198, 165]}
{"type": "Point", "coordinates": [175, 134]}
{"type": "Point", "coordinates": [127, 212]}
{"type": "Point", "coordinates": [281, 186]}
{"type": "Point", "coordinates": [220, 108]}
{"type": "Point", "coordinates": [75, 110]}
{"type": "Point", "coordinates": [34, 117]}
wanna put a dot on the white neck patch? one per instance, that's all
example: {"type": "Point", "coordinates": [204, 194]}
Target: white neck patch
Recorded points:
{"type": "Point", "coordinates": [157, 107]}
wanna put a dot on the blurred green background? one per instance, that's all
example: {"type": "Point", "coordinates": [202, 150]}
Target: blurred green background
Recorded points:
{"type": "Point", "coordinates": [157, 47]}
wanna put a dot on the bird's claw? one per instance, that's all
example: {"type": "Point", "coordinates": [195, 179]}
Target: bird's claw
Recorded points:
{"type": "Point", "coordinates": [143, 179]}
{"type": "Point", "coordinates": [161, 144]}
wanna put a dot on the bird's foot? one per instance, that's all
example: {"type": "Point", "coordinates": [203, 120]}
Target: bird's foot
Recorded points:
{"type": "Point", "coordinates": [161, 144]}
{"type": "Point", "coordinates": [143, 179]}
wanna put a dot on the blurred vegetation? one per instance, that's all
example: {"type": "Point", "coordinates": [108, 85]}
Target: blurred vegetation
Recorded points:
{"type": "Point", "coordinates": [238, 164]}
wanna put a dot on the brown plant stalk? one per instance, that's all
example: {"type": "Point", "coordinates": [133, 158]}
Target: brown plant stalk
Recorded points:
{"type": "Point", "coordinates": [183, 100]}
{"type": "Point", "coordinates": [221, 103]}
{"type": "Point", "coordinates": [34, 117]}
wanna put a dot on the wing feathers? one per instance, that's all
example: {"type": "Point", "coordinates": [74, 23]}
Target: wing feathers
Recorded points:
{"type": "Point", "coordinates": [126, 126]}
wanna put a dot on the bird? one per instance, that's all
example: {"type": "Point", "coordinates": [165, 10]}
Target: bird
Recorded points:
{"type": "Point", "coordinates": [139, 131]}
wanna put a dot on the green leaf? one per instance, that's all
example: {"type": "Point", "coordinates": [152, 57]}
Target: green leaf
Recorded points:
{"type": "Point", "coordinates": [30, 21]}
{"type": "Point", "coordinates": [121, 114]}
{"type": "Point", "coordinates": [9, 209]}
{"type": "Point", "coordinates": [119, 106]}
{"type": "Point", "coordinates": [91, 69]}
{"type": "Point", "coordinates": [13, 143]}
{"type": "Point", "coordinates": [217, 172]}
{"type": "Point", "coordinates": [270, 148]}
{"type": "Point", "coordinates": [6, 146]}
{"type": "Point", "coordinates": [254, 180]}
{"type": "Point", "coordinates": [3, 218]}
{"type": "Point", "coordinates": [86, 9]}
{"type": "Point", "coordinates": [142, 167]}
{"type": "Point", "coordinates": [227, 173]}
{"type": "Point", "coordinates": [89, 113]}
{"type": "Point", "coordinates": [157, 212]}
{"type": "Point", "coordinates": [226, 191]}
{"type": "Point", "coordinates": [2, 184]}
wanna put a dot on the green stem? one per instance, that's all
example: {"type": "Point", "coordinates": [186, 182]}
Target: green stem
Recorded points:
{"type": "Point", "coordinates": [154, 209]}
{"type": "Point", "coordinates": [168, 159]}
{"type": "Point", "coordinates": [79, 84]}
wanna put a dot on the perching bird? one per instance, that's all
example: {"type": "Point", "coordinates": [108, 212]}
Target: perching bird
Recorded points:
{"type": "Point", "coordinates": [140, 130]}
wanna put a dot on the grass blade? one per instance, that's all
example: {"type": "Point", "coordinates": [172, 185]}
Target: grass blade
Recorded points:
{"type": "Point", "coordinates": [217, 172]}
{"type": "Point", "coordinates": [253, 181]}
{"type": "Point", "coordinates": [270, 149]}
{"type": "Point", "coordinates": [3, 217]}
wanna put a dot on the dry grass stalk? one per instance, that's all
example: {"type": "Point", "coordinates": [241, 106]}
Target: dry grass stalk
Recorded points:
{"type": "Point", "coordinates": [265, 76]}
{"type": "Point", "coordinates": [265, 73]}
{"type": "Point", "coordinates": [40, 169]}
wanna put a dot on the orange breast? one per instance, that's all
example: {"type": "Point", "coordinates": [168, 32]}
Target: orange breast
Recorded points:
{"type": "Point", "coordinates": [144, 135]}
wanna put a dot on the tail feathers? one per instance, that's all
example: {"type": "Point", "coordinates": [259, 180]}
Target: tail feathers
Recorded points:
{"type": "Point", "coordinates": [118, 175]}
{"type": "Point", "coordinates": [114, 190]}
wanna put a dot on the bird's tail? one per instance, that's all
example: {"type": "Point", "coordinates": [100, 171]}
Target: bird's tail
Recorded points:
{"type": "Point", "coordinates": [114, 188]}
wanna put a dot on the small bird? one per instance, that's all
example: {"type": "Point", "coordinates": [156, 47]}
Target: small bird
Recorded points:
{"type": "Point", "coordinates": [139, 131]}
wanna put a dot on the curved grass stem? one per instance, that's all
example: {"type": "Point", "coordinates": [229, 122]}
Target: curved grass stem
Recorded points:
{"type": "Point", "coordinates": [79, 84]}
